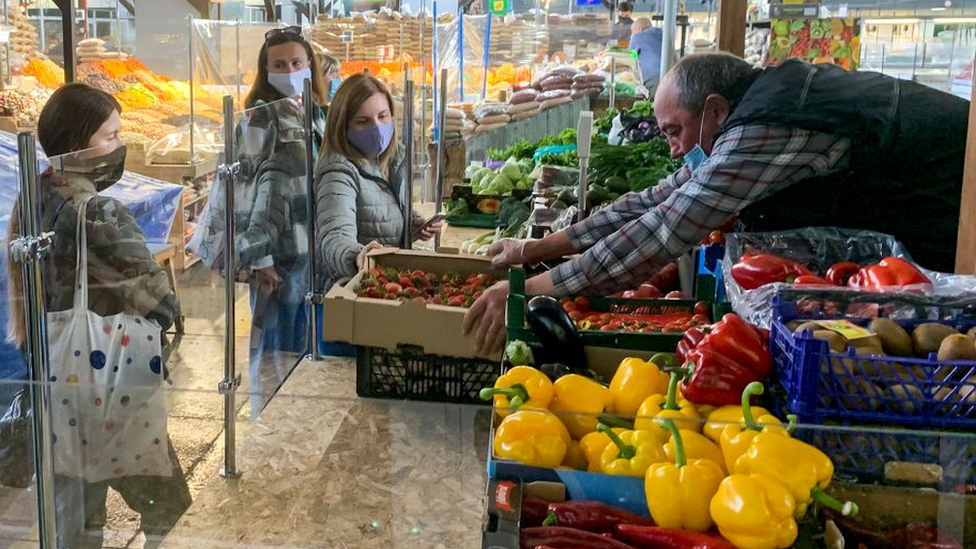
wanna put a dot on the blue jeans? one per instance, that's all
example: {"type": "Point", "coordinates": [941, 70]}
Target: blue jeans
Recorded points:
{"type": "Point", "coordinates": [330, 348]}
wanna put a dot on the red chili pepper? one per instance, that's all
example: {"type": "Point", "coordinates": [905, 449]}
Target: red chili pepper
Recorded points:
{"type": "Point", "coordinates": [736, 340]}
{"type": "Point", "coordinates": [755, 270]}
{"type": "Point", "coordinates": [810, 280]}
{"type": "Point", "coordinates": [534, 511]}
{"type": "Point", "coordinates": [839, 273]}
{"type": "Point", "coordinates": [594, 516]}
{"type": "Point", "coordinates": [653, 537]}
{"type": "Point", "coordinates": [565, 538]}
{"type": "Point", "coordinates": [713, 378]}
{"type": "Point", "coordinates": [889, 272]}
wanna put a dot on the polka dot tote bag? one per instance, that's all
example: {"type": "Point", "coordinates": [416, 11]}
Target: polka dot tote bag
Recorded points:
{"type": "Point", "coordinates": [108, 410]}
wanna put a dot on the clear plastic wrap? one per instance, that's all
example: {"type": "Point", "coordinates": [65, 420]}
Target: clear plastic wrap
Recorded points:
{"type": "Point", "coordinates": [820, 247]}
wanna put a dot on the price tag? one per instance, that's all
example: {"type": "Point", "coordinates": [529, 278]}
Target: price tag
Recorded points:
{"type": "Point", "coordinates": [347, 37]}
{"type": "Point", "coordinates": [570, 49]}
{"type": "Point", "coordinates": [846, 328]}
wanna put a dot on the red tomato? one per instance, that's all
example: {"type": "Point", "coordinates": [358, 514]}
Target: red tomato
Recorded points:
{"type": "Point", "coordinates": [649, 329]}
{"type": "Point", "coordinates": [675, 295]}
{"type": "Point", "coordinates": [629, 294]}
{"type": "Point", "coordinates": [569, 306]}
{"type": "Point", "coordinates": [456, 301]}
{"type": "Point", "coordinates": [606, 317]}
{"type": "Point", "coordinates": [702, 308]}
{"type": "Point", "coordinates": [648, 291]}
{"type": "Point", "coordinates": [715, 237]}
{"type": "Point", "coordinates": [699, 318]}
{"type": "Point", "coordinates": [609, 328]}
{"type": "Point", "coordinates": [582, 303]}
{"type": "Point", "coordinates": [672, 328]}
{"type": "Point", "coordinates": [575, 315]}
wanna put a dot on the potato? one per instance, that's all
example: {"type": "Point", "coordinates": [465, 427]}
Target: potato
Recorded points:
{"type": "Point", "coordinates": [836, 341]}
{"type": "Point", "coordinates": [957, 347]}
{"type": "Point", "coordinates": [808, 325]}
{"type": "Point", "coordinates": [926, 338]}
{"type": "Point", "coordinates": [857, 394]}
{"type": "Point", "coordinates": [894, 339]}
{"type": "Point", "coordinates": [905, 397]}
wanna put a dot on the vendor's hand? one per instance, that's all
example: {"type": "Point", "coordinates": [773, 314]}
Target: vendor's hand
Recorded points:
{"type": "Point", "coordinates": [486, 318]}
{"type": "Point", "coordinates": [429, 231]}
{"type": "Point", "coordinates": [507, 251]}
{"type": "Point", "coordinates": [361, 256]}
{"type": "Point", "coordinates": [268, 280]}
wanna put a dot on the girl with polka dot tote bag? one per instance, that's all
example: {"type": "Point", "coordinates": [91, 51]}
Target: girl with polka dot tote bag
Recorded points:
{"type": "Point", "coordinates": [108, 410]}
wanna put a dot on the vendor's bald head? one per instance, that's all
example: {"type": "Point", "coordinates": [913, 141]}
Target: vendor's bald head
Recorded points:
{"type": "Point", "coordinates": [641, 24]}
{"type": "Point", "coordinates": [696, 96]}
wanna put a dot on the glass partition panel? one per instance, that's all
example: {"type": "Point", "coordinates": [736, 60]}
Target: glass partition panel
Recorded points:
{"type": "Point", "coordinates": [18, 494]}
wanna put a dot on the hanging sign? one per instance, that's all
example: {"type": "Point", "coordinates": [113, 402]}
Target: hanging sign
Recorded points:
{"type": "Point", "coordinates": [347, 37]}
{"type": "Point", "coordinates": [499, 7]}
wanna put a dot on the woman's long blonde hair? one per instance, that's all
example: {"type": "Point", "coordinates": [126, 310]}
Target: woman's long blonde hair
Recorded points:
{"type": "Point", "coordinates": [353, 92]}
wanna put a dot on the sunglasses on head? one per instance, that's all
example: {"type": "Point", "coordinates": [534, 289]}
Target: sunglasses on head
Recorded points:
{"type": "Point", "coordinates": [297, 31]}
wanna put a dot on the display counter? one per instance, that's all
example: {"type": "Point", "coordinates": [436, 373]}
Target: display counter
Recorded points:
{"type": "Point", "coordinates": [323, 468]}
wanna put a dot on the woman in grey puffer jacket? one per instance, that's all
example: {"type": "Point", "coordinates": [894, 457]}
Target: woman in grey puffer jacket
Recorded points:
{"type": "Point", "coordinates": [359, 180]}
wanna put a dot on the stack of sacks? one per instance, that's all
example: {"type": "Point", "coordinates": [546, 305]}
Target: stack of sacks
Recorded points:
{"type": "Point", "coordinates": [556, 87]}
{"type": "Point", "coordinates": [491, 116]}
{"type": "Point", "coordinates": [453, 123]}
{"type": "Point", "coordinates": [23, 38]}
{"type": "Point", "coordinates": [587, 84]}
{"type": "Point", "coordinates": [468, 129]}
{"type": "Point", "coordinates": [523, 104]}
{"type": "Point", "coordinates": [90, 50]}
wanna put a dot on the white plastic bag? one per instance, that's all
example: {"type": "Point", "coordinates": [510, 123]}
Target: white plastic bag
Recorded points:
{"type": "Point", "coordinates": [108, 412]}
{"type": "Point", "coordinates": [615, 137]}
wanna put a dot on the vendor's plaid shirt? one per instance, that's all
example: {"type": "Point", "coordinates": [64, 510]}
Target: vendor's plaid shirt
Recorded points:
{"type": "Point", "coordinates": [623, 245]}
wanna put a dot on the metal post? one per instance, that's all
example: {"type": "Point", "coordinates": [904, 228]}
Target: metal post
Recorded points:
{"type": "Point", "coordinates": [68, 39]}
{"type": "Point", "coordinates": [408, 169]}
{"type": "Point", "coordinates": [237, 53]}
{"type": "Point", "coordinates": [423, 104]}
{"type": "Point", "coordinates": [441, 121]}
{"type": "Point", "coordinates": [613, 81]}
{"type": "Point", "coordinates": [313, 298]}
{"type": "Point", "coordinates": [190, 49]}
{"type": "Point", "coordinates": [232, 380]}
{"type": "Point", "coordinates": [28, 250]}
{"type": "Point", "coordinates": [667, 39]}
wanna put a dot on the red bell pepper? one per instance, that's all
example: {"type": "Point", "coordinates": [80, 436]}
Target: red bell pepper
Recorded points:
{"type": "Point", "coordinates": [712, 378]}
{"type": "Point", "coordinates": [755, 270]}
{"type": "Point", "coordinates": [564, 538]}
{"type": "Point", "coordinates": [736, 340]}
{"type": "Point", "coordinates": [839, 273]}
{"type": "Point", "coordinates": [592, 516]}
{"type": "Point", "coordinates": [811, 280]}
{"type": "Point", "coordinates": [889, 272]}
{"type": "Point", "coordinates": [653, 537]}
{"type": "Point", "coordinates": [691, 339]}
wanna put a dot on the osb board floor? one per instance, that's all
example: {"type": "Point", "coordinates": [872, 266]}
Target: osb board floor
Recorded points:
{"type": "Point", "coordinates": [322, 468]}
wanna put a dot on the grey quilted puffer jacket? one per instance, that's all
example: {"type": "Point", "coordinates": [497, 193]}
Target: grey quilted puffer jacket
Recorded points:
{"type": "Point", "coordinates": [354, 206]}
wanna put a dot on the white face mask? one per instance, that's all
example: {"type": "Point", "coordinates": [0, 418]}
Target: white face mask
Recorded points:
{"type": "Point", "coordinates": [289, 84]}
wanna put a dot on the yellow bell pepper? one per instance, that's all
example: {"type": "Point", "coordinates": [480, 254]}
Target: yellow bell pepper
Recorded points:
{"type": "Point", "coordinates": [738, 437]}
{"type": "Point", "coordinates": [574, 459]}
{"type": "Point", "coordinates": [669, 407]}
{"type": "Point", "coordinates": [801, 468]}
{"type": "Point", "coordinates": [697, 446]}
{"type": "Point", "coordinates": [678, 494]}
{"type": "Point", "coordinates": [593, 445]}
{"type": "Point", "coordinates": [532, 437]}
{"type": "Point", "coordinates": [518, 386]}
{"type": "Point", "coordinates": [631, 453]}
{"type": "Point", "coordinates": [635, 380]}
{"type": "Point", "coordinates": [754, 512]}
{"type": "Point", "coordinates": [578, 401]}
{"type": "Point", "coordinates": [725, 415]}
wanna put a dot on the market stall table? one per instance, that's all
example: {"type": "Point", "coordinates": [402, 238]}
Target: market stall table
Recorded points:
{"type": "Point", "coordinates": [323, 468]}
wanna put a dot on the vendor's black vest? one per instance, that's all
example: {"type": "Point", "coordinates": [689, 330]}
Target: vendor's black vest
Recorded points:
{"type": "Point", "coordinates": [904, 174]}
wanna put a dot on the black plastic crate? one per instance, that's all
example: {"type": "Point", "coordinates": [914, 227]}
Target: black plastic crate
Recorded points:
{"type": "Point", "coordinates": [410, 374]}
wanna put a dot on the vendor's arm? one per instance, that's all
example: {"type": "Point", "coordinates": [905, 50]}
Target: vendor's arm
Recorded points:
{"type": "Point", "coordinates": [335, 221]}
{"type": "Point", "coordinates": [747, 164]}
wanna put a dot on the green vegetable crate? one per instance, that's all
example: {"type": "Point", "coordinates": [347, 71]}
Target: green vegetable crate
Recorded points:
{"type": "Point", "coordinates": [517, 328]}
{"type": "Point", "coordinates": [482, 208]}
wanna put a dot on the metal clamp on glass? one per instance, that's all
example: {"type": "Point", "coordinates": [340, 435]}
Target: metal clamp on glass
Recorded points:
{"type": "Point", "coordinates": [229, 170]}
{"type": "Point", "coordinates": [29, 249]}
{"type": "Point", "coordinates": [227, 386]}
{"type": "Point", "coordinates": [314, 298]}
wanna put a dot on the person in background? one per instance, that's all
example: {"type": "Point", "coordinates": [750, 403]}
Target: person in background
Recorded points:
{"type": "Point", "coordinates": [646, 40]}
{"type": "Point", "coordinates": [624, 11]}
{"type": "Point", "coordinates": [786, 147]}
{"type": "Point", "coordinates": [330, 70]}
{"type": "Point", "coordinates": [272, 238]}
{"type": "Point", "coordinates": [123, 277]}
{"type": "Point", "coordinates": [359, 181]}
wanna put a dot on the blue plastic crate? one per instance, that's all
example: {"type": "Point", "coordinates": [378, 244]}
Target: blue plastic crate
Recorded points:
{"type": "Point", "coordinates": [823, 385]}
{"type": "Point", "coordinates": [709, 280]}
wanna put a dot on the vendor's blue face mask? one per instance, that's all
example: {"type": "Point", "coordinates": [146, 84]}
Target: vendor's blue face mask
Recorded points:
{"type": "Point", "coordinates": [696, 156]}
